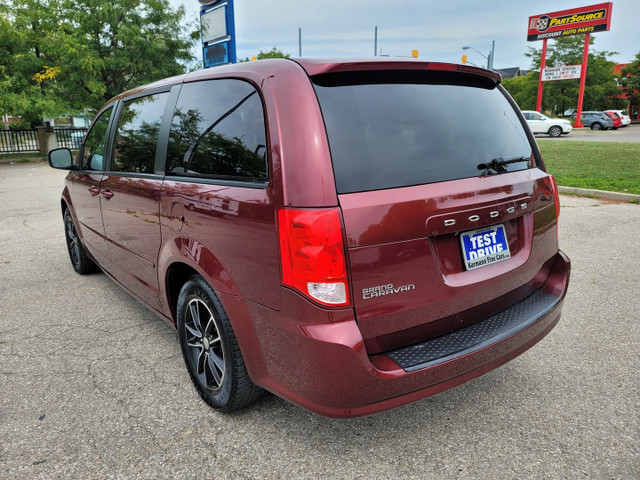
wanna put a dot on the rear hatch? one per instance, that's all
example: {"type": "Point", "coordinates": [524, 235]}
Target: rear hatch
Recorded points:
{"type": "Point", "coordinates": [448, 212]}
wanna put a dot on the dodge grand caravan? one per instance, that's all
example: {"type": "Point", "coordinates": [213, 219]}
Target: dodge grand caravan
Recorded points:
{"type": "Point", "coordinates": [328, 231]}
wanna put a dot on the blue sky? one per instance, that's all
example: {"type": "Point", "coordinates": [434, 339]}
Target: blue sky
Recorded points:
{"type": "Point", "coordinates": [437, 29]}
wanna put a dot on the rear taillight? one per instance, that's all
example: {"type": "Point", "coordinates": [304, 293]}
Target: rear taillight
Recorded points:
{"type": "Point", "coordinates": [556, 201]}
{"type": "Point", "coordinates": [556, 197]}
{"type": "Point", "coordinates": [312, 254]}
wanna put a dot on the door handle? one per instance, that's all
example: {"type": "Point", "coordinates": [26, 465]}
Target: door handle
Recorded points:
{"type": "Point", "coordinates": [107, 194]}
{"type": "Point", "coordinates": [94, 191]}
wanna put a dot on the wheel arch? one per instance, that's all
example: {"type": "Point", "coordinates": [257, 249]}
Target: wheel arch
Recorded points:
{"type": "Point", "coordinates": [555, 126]}
{"type": "Point", "coordinates": [176, 276]}
{"type": "Point", "coordinates": [184, 257]}
{"type": "Point", "coordinates": [65, 202]}
{"type": "Point", "coordinates": [235, 307]}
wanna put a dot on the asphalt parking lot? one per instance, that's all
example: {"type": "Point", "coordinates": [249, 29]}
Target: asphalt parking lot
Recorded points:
{"type": "Point", "coordinates": [92, 384]}
{"type": "Point", "coordinates": [630, 133]}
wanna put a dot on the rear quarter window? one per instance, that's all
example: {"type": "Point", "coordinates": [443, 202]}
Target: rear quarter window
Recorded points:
{"type": "Point", "coordinates": [398, 129]}
{"type": "Point", "coordinates": [218, 132]}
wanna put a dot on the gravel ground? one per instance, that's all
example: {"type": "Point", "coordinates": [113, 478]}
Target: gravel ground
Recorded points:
{"type": "Point", "coordinates": [92, 385]}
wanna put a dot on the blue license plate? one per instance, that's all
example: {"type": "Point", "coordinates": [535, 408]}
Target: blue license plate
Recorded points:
{"type": "Point", "coordinates": [484, 246]}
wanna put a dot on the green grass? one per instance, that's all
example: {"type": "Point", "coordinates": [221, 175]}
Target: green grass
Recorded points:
{"type": "Point", "coordinates": [601, 165]}
{"type": "Point", "coordinates": [22, 156]}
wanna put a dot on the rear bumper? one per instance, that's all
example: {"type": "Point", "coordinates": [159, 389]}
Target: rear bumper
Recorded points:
{"type": "Point", "coordinates": [477, 336]}
{"type": "Point", "coordinates": [324, 367]}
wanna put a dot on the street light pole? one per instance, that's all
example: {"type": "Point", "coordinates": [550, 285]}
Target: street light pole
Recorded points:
{"type": "Point", "coordinates": [473, 48]}
{"type": "Point", "coordinates": [488, 57]}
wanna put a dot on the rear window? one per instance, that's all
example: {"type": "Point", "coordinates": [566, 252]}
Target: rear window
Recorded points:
{"type": "Point", "coordinates": [396, 129]}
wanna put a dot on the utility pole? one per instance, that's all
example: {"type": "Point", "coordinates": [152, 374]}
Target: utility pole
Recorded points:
{"type": "Point", "coordinates": [490, 60]}
{"type": "Point", "coordinates": [375, 42]}
{"type": "Point", "coordinates": [300, 42]}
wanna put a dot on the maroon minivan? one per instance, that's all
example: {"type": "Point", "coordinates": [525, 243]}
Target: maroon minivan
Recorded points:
{"type": "Point", "coordinates": [349, 235]}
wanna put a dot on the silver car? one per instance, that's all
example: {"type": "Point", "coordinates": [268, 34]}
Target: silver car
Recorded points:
{"type": "Point", "coordinates": [596, 120]}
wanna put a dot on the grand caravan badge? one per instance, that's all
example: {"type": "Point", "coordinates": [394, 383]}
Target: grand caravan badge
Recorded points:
{"type": "Point", "coordinates": [382, 290]}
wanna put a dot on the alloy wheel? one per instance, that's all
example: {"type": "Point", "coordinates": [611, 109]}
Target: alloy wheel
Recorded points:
{"type": "Point", "coordinates": [206, 352]}
{"type": "Point", "coordinates": [72, 242]}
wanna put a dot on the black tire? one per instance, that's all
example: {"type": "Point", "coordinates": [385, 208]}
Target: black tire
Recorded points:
{"type": "Point", "coordinates": [77, 254]}
{"type": "Point", "coordinates": [210, 349]}
{"type": "Point", "coordinates": [555, 131]}
{"type": "Point", "coordinates": [596, 126]}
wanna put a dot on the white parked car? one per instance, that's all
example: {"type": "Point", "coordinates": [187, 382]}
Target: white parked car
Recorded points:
{"type": "Point", "coordinates": [539, 123]}
{"type": "Point", "coordinates": [626, 119]}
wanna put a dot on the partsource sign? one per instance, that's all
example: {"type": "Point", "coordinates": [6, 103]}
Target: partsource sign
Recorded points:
{"type": "Point", "coordinates": [565, 72]}
{"type": "Point", "coordinates": [577, 21]}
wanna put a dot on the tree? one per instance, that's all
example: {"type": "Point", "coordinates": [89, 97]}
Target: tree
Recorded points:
{"type": "Point", "coordinates": [273, 53]}
{"type": "Point", "coordinates": [630, 83]}
{"type": "Point", "coordinates": [69, 56]}
{"type": "Point", "coordinates": [524, 90]}
{"type": "Point", "coordinates": [11, 48]}
{"type": "Point", "coordinates": [601, 91]}
{"type": "Point", "coordinates": [16, 68]}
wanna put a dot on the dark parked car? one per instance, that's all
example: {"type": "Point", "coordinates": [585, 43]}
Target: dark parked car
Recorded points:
{"type": "Point", "coordinates": [326, 230]}
{"type": "Point", "coordinates": [596, 120]}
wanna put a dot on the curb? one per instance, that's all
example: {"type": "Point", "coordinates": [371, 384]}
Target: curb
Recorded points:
{"type": "Point", "coordinates": [588, 192]}
{"type": "Point", "coordinates": [10, 161]}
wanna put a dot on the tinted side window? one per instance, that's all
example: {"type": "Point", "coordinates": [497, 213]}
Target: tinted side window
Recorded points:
{"type": "Point", "coordinates": [94, 145]}
{"type": "Point", "coordinates": [137, 134]}
{"type": "Point", "coordinates": [218, 131]}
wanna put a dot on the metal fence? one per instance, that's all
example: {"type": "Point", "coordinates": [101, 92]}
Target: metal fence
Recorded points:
{"type": "Point", "coordinates": [69, 137]}
{"type": "Point", "coordinates": [19, 141]}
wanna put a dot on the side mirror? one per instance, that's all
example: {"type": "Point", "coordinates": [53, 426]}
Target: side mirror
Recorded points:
{"type": "Point", "coordinates": [60, 158]}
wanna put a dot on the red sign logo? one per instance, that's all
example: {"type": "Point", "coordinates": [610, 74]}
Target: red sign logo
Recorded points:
{"type": "Point", "coordinates": [595, 18]}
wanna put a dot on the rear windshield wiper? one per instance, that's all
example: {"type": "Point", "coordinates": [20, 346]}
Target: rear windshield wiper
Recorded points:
{"type": "Point", "coordinates": [498, 164]}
